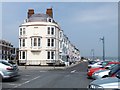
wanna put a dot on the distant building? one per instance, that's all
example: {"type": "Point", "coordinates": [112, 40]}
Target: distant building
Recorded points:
{"type": "Point", "coordinates": [6, 50]}
{"type": "Point", "coordinates": [42, 42]}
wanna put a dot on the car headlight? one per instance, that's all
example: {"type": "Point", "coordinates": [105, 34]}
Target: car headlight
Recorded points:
{"type": "Point", "coordinates": [95, 87]}
{"type": "Point", "coordinates": [96, 74]}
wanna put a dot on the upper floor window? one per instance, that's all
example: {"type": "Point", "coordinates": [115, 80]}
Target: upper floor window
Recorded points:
{"type": "Point", "coordinates": [48, 30]}
{"type": "Point", "coordinates": [22, 31]}
{"type": "Point", "coordinates": [35, 41]}
{"type": "Point", "coordinates": [22, 42]}
{"type": "Point", "coordinates": [51, 31]}
{"type": "Point", "coordinates": [48, 42]}
{"type": "Point", "coordinates": [38, 41]}
{"type": "Point", "coordinates": [51, 42]}
{"type": "Point", "coordinates": [60, 34]}
{"type": "Point", "coordinates": [49, 19]}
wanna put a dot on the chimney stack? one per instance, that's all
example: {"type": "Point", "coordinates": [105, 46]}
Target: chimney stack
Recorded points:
{"type": "Point", "coordinates": [30, 12]}
{"type": "Point", "coordinates": [49, 12]}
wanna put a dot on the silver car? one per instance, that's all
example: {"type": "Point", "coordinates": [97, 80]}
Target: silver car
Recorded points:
{"type": "Point", "coordinates": [104, 73]}
{"type": "Point", "coordinates": [110, 83]}
{"type": "Point", "coordinates": [8, 70]}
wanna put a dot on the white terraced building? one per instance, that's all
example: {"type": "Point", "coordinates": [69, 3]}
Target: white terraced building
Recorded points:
{"type": "Point", "coordinates": [42, 42]}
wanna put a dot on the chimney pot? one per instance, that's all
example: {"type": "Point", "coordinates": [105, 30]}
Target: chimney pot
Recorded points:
{"type": "Point", "coordinates": [30, 12]}
{"type": "Point", "coordinates": [49, 12]}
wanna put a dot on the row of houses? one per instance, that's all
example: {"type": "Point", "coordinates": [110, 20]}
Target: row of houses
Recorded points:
{"type": "Point", "coordinates": [43, 42]}
{"type": "Point", "coordinates": [8, 51]}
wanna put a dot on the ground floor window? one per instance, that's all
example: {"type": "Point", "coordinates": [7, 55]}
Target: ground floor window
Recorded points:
{"type": "Point", "coordinates": [22, 55]}
{"type": "Point", "coordinates": [50, 54]}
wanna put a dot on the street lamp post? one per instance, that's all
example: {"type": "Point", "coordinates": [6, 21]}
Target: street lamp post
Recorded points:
{"type": "Point", "coordinates": [103, 40]}
{"type": "Point", "coordinates": [92, 51]}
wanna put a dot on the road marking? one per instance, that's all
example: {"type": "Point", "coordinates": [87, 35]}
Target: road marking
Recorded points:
{"type": "Point", "coordinates": [73, 71]}
{"type": "Point", "coordinates": [12, 84]}
{"type": "Point", "coordinates": [26, 82]}
{"type": "Point", "coordinates": [27, 75]}
{"type": "Point", "coordinates": [43, 71]}
{"type": "Point", "coordinates": [67, 75]}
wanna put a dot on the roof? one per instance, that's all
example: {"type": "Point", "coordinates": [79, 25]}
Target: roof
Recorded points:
{"type": "Point", "coordinates": [38, 17]}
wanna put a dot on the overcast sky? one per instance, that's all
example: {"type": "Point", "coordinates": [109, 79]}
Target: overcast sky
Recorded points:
{"type": "Point", "coordinates": [83, 22]}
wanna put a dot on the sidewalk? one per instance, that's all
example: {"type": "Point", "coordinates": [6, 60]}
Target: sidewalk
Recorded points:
{"type": "Point", "coordinates": [46, 67]}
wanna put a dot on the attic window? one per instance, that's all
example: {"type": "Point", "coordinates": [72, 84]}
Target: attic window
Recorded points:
{"type": "Point", "coordinates": [49, 20]}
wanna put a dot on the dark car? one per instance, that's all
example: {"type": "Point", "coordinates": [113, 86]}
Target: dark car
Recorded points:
{"type": "Point", "coordinates": [114, 71]}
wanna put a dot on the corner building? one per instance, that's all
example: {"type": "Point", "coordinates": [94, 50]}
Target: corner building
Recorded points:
{"type": "Point", "coordinates": [40, 39]}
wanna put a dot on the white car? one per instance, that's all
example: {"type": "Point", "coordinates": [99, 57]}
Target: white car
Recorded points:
{"type": "Point", "coordinates": [104, 73]}
{"type": "Point", "coordinates": [100, 74]}
{"type": "Point", "coordinates": [97, 64]}
{"type": "Point", "coordinates": [8, 70]}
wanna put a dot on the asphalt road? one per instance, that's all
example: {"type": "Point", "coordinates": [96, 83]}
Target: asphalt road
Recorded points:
{"type": "Point", "coordinates": [74, 77]}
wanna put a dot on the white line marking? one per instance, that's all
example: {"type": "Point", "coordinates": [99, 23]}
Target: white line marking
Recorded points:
{"type": "Point", "coordinates": [27, 75]}
{"type": "Point", "coordinates": [26, 82]}
{"type": "Point", "coordinates": [43, 71]}
{"type": "Point", "coordinates": [12, 84]}
{"type": "Point", "coordinates": [73, 71]}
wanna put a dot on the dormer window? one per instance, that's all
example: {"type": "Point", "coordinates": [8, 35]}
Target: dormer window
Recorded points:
{"type": "Point", "coordinates": [50, 20]}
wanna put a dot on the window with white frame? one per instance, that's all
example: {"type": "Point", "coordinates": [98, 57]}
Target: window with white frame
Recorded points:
{"type": "Point", "coordinates": [35, 41]}
{"type": "Point", "coordinates": [20, 31]}
{"type": "Point", "coordinates": [23, 31]}
{"type": "Point", "coordinates": [38, 42]}
{"type": "Point", "coordinates": [22, 42]}
{"type": "Point", "coordinates": [50, 54]}
{"type": "Point", "coordinates": [60, 34]}
{"type": "Point", "coordinates": [22, 55]}
{"type": "Point", "coordinates": [50, 42]}
{"type": "Point", "coordinates": [48, 30]}
{"type": "Point", "coordinates": [49, 19]}
{"type": "Point", "coordinates": [51, 30]}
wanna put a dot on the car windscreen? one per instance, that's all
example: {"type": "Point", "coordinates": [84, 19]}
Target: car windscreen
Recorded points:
{"type": "Point", "coordinates": [5, 63]}
{"type": "Point", "coordinates": [115, 69]}
{"type": "Point", "coordinates": [11, 62]}
{"type": "Point", "coordinates": [104, 64]}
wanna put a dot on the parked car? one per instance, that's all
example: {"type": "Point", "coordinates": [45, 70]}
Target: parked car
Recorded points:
{"type": "Point", "coordinates": [8, 70]}
{"type": "Point", "coordinates": [95, 64]}
{"type": "Point", "coordinates": [104, 73]}
{"type": "Point", "coordinates": [110, 83]}
{"type": "Point", "coordinates": [92, 70]}
{"type": "Point", "coordinates": [114, 71]}
{"type": "Point", "coordinates": [92, 62]}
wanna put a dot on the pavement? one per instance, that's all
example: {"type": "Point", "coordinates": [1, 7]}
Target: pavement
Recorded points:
{"type": "Point", "coordinates": [46, 67]}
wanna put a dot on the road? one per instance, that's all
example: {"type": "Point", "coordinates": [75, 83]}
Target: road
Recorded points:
{"type": "Point", "coordinates": [74, 77]}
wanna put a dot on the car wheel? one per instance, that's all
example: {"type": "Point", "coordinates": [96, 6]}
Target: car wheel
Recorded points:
{"type": "Point", "coordinates": [104, 76]}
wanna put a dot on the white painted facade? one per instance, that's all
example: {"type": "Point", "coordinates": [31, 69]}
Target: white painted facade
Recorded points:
{"type": "Point", "coordinates": [42, 42]}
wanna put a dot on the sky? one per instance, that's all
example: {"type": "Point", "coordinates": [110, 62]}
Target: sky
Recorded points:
{"type": "Point", "coordinates": [84, 23]}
